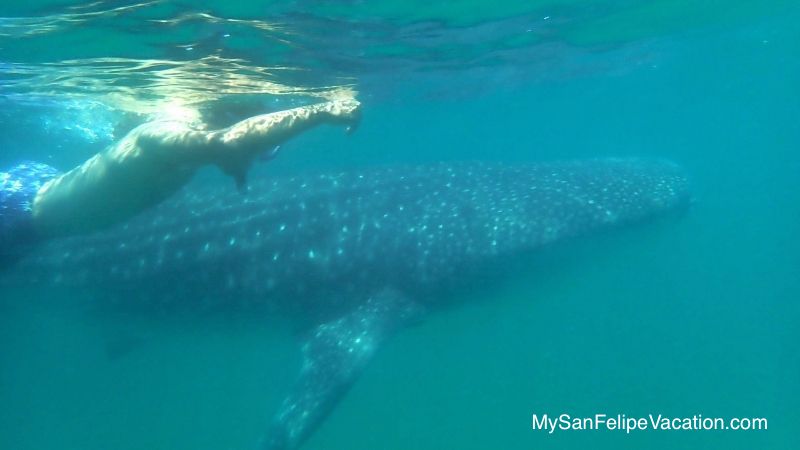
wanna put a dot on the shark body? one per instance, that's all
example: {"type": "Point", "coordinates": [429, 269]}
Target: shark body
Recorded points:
{"type": "Point", "coordinates": [353, 257]}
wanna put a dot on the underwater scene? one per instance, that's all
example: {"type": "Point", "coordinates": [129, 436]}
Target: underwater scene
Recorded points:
{"type": "Point", "coordinates": [385, 224]}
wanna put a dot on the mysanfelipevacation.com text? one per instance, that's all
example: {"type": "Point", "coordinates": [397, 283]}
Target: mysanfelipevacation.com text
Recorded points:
{"type": "Point", "coordinates": [652, 422]}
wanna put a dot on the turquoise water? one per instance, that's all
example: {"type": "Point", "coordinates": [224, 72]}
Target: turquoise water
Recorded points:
{"type": "Point", "coordinates": [691, 316]}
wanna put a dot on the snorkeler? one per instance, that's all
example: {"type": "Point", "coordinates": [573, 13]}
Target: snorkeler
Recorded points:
{"type": "Point", "coordinates": [146, 166]}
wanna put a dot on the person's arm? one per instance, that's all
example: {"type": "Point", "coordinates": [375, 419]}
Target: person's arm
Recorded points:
{"type": "Point", "coordinates": [238, 144]}
{"type": "Point", "coordinates": [156, 159]}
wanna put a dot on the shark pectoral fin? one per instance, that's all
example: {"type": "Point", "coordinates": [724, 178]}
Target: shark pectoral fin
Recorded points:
{"type": "Point", "coordinates": [334, 355]}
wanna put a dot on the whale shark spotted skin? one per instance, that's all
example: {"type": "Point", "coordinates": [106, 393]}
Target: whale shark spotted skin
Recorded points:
{"type": "Point", "coordinates": [355, 256]}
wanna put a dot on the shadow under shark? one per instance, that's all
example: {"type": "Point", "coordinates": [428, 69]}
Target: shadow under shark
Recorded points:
{"type": "Point", "coordinates": [353, 257]}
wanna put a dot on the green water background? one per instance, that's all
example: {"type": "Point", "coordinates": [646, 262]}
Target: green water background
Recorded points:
{"type": "Point", "coordinates": [693, 316]}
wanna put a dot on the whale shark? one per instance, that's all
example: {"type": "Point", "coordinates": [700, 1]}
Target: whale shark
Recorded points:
{"type": "Point", "coordinates": [352, 257]}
